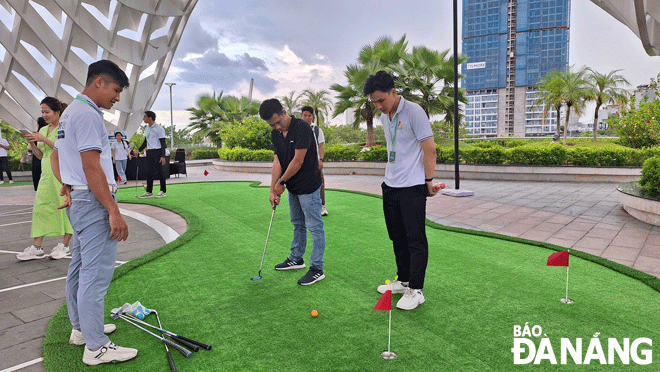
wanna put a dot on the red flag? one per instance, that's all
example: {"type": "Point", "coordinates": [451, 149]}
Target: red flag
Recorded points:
{"type": "Point", "coordinates": [558, 259]}
{"type": "Point", "coordinates": [385, 302]}
{"type": "Point", "coordinates": [118, 178]}
{"type": "Point", "coordinates": [206, 173]}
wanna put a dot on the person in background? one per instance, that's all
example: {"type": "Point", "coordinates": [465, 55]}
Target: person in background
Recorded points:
{"type": "Point", "coordinates": [308, 116]}
{"type": "Point", "coordinates": [47, 219]}
{"type": "Point", "coordinates": [36, 162]}
{"type": "Point", "coordinates": [120, 156]}
{"type": "Point", "coordinates": [4, 160]}
{"type": "Point", "coordinates": [154, 142]}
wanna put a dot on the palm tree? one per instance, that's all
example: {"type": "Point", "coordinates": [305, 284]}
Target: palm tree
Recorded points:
{"type": "Point", "coordinates": [319, 101]}
{"type": "Point", "coordinates": [606, 90]}
{"type": "Point", "coordinates": [549, 95]}
{"type": "Point", "coordinates": [575, 92]}
{"type": "Point", "coordinates": [290, 102]}
{"type": "Point", "coordinates": [214, 114]}
{"type": "Point", "coordinates": [382, 55]}
{"type": "Point", "coordinates": [426, 78]}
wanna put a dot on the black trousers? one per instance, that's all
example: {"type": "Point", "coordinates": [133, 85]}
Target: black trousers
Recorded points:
{"type": "Point", "coordinates": [4, 166]}
{"type": "Point", "coordinates": [154, 166]}
{"type": "Point", "coordinates": [405, 217]}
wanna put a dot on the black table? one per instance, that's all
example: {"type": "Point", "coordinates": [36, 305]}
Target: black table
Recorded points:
{"type": "Point", "coordinates": [139, 166]}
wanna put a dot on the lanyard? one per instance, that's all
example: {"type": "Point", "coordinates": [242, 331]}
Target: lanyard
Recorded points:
{"type": "Point", "coordinates": [389, 127]}
{"type": "Point", "coordinates": [81, 99]}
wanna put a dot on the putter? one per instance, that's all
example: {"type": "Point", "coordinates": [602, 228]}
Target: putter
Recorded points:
{"type": "Point", "coordinates": [167, 349]}
{"type": "Point", "coordinates": [267, 236]}
{"type": "Point", "coordinates": [186, 342]}
{"type": "Point", "coordinates": [187, 353]}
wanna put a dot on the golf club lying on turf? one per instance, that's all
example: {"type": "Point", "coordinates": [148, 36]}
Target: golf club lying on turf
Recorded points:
{"type": "Point", "coordinates": [186, 342]}
{"type": "Point", "coordinates": [167, 349]}
{"type": "Point", "coordinates": [267, 236]}
{"type": "Point", "coordinates": [187, 353]}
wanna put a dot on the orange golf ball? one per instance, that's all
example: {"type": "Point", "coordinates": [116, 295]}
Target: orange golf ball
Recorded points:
{"type": "Point", "coordinates": [314, 313]}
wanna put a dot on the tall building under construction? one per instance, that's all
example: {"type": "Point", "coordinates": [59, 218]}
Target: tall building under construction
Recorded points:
{"type": "Point", "coordinates": [511, 44]}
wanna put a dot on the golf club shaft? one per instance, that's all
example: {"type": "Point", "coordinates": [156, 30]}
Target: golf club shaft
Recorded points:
{"type": "Point", "coordinates": [187, 353]}
{"type": "Point", "coordinates": [267, 237]}
{"type": "Point", "coordinates": [167, 349]}
{"type": "Point", "coordinates": [137, 173]}
{"type": "Point", "coordinates": [186, 342]}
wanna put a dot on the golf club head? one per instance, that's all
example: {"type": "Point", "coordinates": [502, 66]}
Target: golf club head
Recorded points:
{"type": "Point", "coordinates": [256, 277]}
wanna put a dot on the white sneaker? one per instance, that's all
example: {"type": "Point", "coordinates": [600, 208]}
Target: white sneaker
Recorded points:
{"type": "Point", "coordinates": [60, 251]}
{"type": "Point", "coordinates": [161, 195]}
{"type": "Point", "coordinates": [395, 286]}
{"type": "Point", "coordinates": [31, 253]}
{"type": "Point", "coordinates": [324, 212]}
{"type": "Point", "coordinates": [108, 353]}
{"type": "Point", "coordinates": [77, 338]}
{"type": "Point", "coordinates": [10, 182]}
{"type": "Point", "coordinates": [146, 195]}
{"type": "Point", "coordinates": [1, 182]}
{"type": "Point", "coordinates": [411, 299]}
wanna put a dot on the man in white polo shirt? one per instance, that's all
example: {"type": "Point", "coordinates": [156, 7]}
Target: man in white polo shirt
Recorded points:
{"type": "Point", "coordinates": [154, 141]}
{"type": "Point", "coordinates": [82, 161]}
{"type": "Point", "coordinates": [408, 181]}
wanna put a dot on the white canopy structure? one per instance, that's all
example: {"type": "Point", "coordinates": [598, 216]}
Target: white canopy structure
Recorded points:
{"type": "Point", "coordinates": [641, 16]}
{"type": "Point", "coordinates": [48, 44]}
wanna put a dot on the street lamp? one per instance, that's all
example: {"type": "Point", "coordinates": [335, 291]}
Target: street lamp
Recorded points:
{"type": "Point", "coordinates": [171, 116]}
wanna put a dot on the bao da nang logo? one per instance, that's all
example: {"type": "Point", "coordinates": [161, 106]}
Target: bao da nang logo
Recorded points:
{"type": "Point", "coordinates": [531, 345]}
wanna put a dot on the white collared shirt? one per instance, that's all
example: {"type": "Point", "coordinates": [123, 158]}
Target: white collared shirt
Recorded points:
{"type": "Point", "coordinates": [153, 134]}
{"type": "Point", "coordinates": [81, 129]}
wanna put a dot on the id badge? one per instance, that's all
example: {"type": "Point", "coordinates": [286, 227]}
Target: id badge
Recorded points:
{"type": "Point", "coordinates": [392, 156]}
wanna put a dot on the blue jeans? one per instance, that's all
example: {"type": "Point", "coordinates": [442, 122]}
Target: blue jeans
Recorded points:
{"type": "Point", "coordinates": [121, 168]}
{"type": "Point", "coordinates": [93, 256]}
{"type": "Point", "coordinates": [305, 213]}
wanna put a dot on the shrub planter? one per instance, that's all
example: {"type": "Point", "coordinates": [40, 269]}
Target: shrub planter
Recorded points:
{"type": "Point", "coordinates": [639, 203]}
{"type": "Point", "coordinates": [467, 171]}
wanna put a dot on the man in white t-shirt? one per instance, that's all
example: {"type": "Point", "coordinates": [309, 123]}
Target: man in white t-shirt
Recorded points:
{"type": "Point", "coordinates": [154, 142]}
{"type": "Point", "coordinates": [307, 114]}
{"type": "Point", "coordinates": [4, 160]}
{"type": "Point", "coordinates": [408, 181]}
{"type": "Point", "coordinates": [82, 161]}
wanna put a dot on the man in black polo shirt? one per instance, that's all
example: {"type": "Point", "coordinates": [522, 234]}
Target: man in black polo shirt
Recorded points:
{"type": "Point", "coordinates": [296, 166]}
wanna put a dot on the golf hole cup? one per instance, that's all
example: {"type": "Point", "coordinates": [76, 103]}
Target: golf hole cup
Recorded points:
{"type": "Point", "coordinates": [314, 313]}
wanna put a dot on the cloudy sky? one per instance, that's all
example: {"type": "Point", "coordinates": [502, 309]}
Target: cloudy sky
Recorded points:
{"type": "Point", "coordinates": [287, 45]}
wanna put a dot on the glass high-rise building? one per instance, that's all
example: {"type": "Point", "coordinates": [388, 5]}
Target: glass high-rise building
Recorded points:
{"type": "Point", "coordinates": [511, 44]}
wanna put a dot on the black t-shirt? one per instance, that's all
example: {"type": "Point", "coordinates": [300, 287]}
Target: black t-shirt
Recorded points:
{"type": "Point", "coordinates": [299, 136]}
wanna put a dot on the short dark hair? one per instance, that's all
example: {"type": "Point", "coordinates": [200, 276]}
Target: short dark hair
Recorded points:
{"type": "Point", "coordinates": [54, 104]}
{"type": "Point", "coordinates": [381, 81]}
{"type": "Point", "coordinates": [269, 108]}
{"type": "Point", "coordinates": [151, 114]}
{"type": "Point", "coordinates": [122, 135]}
{"type": "Point", "coordinates": [308, 109]}
{"type": "Point", "coordinates": [109, 70]}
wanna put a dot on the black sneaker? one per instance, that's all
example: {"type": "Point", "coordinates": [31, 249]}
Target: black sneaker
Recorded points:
{"type": "Point", "coordinates": [290, 265]}
{"type": "Point", "coordinates": [312, 276]}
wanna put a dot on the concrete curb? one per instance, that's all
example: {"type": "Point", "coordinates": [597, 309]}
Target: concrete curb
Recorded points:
{"type": "Point", "coordinates": [467, 171]}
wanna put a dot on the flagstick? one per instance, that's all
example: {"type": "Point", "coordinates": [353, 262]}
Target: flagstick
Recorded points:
{"type": "Point", "coordinates": [389, 354]}
{"type": "Point", "coordinates": [567, 300]}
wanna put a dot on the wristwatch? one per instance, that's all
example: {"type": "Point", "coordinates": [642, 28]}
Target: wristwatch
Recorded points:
{"type": "Point", "coordinates": [280, 181]}
{"type": "Point", "coordinates": [428, 179]}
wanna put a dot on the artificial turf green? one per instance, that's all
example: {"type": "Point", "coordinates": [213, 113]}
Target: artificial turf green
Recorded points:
{"type": "Point", "coordinates": [477, 288]}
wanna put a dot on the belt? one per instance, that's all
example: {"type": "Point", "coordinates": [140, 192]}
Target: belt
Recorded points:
{"type": "Point", "coordinates": [113, 188]}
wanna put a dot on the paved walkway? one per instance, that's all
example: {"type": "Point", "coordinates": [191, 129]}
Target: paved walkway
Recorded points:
{"type": "Point", "coordinates": [580, 216]}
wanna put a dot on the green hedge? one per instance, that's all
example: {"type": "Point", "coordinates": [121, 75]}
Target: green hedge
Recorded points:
{"type": "Point", "coordinates": [530, 154]}
{"type": "Point", "coordinates": [651, 174]}
{"type": "Point", "coordinates": [205, 154]}
{"type": "Point", "coordinates": [241, 154]}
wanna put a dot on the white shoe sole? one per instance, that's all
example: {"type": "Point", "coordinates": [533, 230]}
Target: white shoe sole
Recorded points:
{"type": "Point", "coordinates": [33, 257]}
{"type": "Point", "coordinates": [317, 279]}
